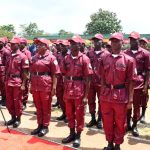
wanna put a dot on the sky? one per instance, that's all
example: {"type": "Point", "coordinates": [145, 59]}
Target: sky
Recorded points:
{"type": "Point", "coordinates": [73, 15]}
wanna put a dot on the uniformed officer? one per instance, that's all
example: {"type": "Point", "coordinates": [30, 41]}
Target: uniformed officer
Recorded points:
{"type": "Point", "coordinates": [23, 49]}
{"type": "Point", "coordinates": [117, 72]}
{"type": "Point", "coordinates": [60, 79]}
{"type": "Point", "coordinates": [143, 43]}
{"type": "Point", "coordinates": [44, 68]}
{"type": "Point", "coordinates": [16, 75]}
{"type": "Point", "coordinates": [142, 59]}
{"type": "Point", "coordinates": [76, 68]}
{"type": "Point", "coordinates": [95, 82]}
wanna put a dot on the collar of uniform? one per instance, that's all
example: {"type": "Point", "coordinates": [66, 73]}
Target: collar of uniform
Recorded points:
{"type": "Point", "coordinates": [119, 55]}
{"type": "Point", "coordinates": [46, 54]}
{"type": "Point", "coordinates": [79, 55]}
{"type": "Point", "coordinates": [17, 53]}
{"type": "Point", "coordinates": [23, 50]}
{"type": "Point", "coordinates": [139, 50]}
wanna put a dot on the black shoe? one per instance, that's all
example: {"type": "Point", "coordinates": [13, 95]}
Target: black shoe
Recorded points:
{"type": "Point", "coordinates": [117, 147]}
{"type": "Point", "coordinates": [17, 123]}
{"type": "Point", "coordinates": [62, 117]}
{"type": "Point", "coordinates": [69, 138]}
{"type": "Point", "coordinates": [135, 132]}
{"type": "Point", "coordinates": [77, 141]}
{"type": "Point", "coordinates": [109, 147]}
{"type": "Point", "coordinates": [11, 122]}
{"type": "Point", "coordinates": [65, 120]}
{"type": "Point", "coordinates": [99, 124]}
{"type": "Point", "coordinates": [43, 131]}
{"type": "Point", "coordinates": [142, 120]}
{"type": "Point", "coordinates": [37, 130]}
{"type": "Point", "coordinates": [91, 123]}
{"type": "Point", "coordinates": [56, 104]}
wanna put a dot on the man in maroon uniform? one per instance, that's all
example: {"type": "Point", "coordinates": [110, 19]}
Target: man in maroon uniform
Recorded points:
{"type": "Point", "coordinates": [95, 83]}
{"type": "Point", "coordinates": [23, 49]}
{"type": "Point", "coordinates": [44, 68]}
{"type": "Point", "coordinates": [60, 79]}
{"type": "Point", "coordinates": [76, 68]}
{"type": "Point", "coordinates": [117, 72]}
{"type": "Point", "coordinates": [142, 59]}
{"type": "Point", "coordinates": [3, 56]}
{"type": "Point", "coordinates": [16, 75]}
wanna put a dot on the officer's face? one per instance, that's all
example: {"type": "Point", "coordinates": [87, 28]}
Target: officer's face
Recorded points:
{"type": "Point", "coordinates": [143, 44]}
{"type": "Point", "coordinates": [64, 48]}
{"type": "Point", "coordinates": [1, 45]}
{"type": "Point", "coordinates": [134, 44]}
{"type": "Point", "coordinates": [22, 45]}
{"type": "Point", "coordinates": [74, 46]}
{"type": "Point", "coordinates": [41, 48]}
{"type": "Point", "coordinates": [116, 44]}
{"type": "Point", "coordinates": [14, 46]}
{"type": "Point", "coordinates": [97, 43]}
{"type": "Point", "coordinates": [58, 47]}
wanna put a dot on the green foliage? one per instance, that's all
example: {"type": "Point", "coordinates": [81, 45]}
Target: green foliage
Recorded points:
{"type": "Point", "coordinates": [4, 33]}
{"type": "Point", "coordinates": [30, 30]}
{"type": "Point", "coordinates": [64, 33]}
{"type": "Point", "coordinates": [104, 22]}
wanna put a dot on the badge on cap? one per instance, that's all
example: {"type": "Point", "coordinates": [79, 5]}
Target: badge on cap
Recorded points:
{"type": "Point", "coordinates": [26, 62]}
{"type": "Point", "coordinates": [55, 62]}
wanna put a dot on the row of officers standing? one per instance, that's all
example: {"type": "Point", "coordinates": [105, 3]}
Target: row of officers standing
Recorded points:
{"type": "Point", "coordinates": [118, 78]}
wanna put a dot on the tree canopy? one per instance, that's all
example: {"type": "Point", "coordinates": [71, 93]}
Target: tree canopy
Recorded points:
{"type": "Point", "coordinates": [104, 22]}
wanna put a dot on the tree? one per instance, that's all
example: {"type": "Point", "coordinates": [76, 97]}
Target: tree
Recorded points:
{"type": "Point", "coordinates": [64, 33]}
{"type": "Point", "coordinates": [9, 28]}
{"type": "Point", "coordinates": [30, 30]}
{"type": "Point", "coordinates": [104, 22]}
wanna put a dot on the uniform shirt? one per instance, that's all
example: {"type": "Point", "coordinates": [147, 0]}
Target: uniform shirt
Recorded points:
{"type": "Point", "coordinates": [76, 67]}
{"type": "Point", "coordinates": [45, 64]}
{"type": "Point", "coordinates": [15, 65]}
{"type": "Point", "coordinates": [142, 59]}
{"type": "Point", "coordinates": [27, 53]}
{"type": "Point", "coordinates": [95, 57]}
{"type": "Point", "coordinates": [116, 70]}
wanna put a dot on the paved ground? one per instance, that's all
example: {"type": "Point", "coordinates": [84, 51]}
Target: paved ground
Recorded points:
{"type": "Point", "coordinates": [92, 139]}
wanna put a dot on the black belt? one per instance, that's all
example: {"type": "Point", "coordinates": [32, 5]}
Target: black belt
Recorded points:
{"type": "Point", "coordinates": [118, 86]}
{"type": "Point", "coordinates": [2, 65]}
{"type": "Point", "coordinates": [14, 75]}
{"type": "Point", "coordinates": [41, 73]}
{"type": "Point", "coordinates": [73, 78]}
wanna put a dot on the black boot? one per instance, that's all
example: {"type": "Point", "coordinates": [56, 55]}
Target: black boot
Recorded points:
{"type": "Point", "coordinates": [12, 121]}
{"type": "Point", "coordinates": [117, 147]}
{"type": "Point", "coordinates": [69, 138]}
{"type": "Point", "coordinates": [99, 122]}
{"type": "Point", "coordinates": [129, 128]}
{"type": "Point", "coordinates": [43, 131]}
{"type": "Point", "coordinates": [77, 141]}
{"type": "Point", "coordinates": [62, 117]}
{"type": "Point", "coordinates": [92, 122]}
{"type": "Point", "coordinates": [134, 129]}
{"type": "Point", "coordinates": [110, 146]}
{"type": "Point", "coordinates": [56, 104]}
{"type": "Point", "coordinates": [37, 130]}
{"type": "Point", "coordinates": [142, 118]}
{"type": "Point", "coordinates": [17, 122]}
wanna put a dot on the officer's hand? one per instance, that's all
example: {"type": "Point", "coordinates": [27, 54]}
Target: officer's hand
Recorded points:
{"type": "Point", "coordinates": [53, 91]}
{"type": "Point", "coordinates": [129, 105]}
{"type": "Point", "coordinates": [84, 101]}
{"type": "Point", "coordinates": [22, 87]}
{"type": "Point", "coordinates": [145, 90]}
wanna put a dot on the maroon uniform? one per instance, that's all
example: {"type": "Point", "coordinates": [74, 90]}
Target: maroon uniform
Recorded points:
{"type": "Point", "coordinates": [142, 59]}
{"type": "Point", "coordinates": [74, 88]}
{"type": "Point", "coordinates": [42, 68]}
{"type": "Point", "coordinates": [14, 78]}
{"type": "Point", "coordinates": [116, 72]}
